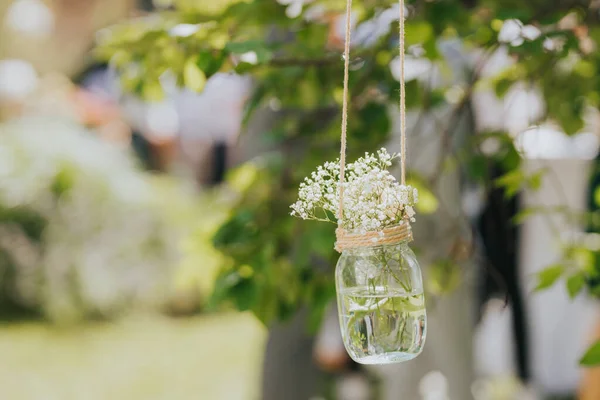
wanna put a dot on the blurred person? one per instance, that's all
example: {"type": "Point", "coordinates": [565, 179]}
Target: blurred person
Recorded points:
{"type": "Point", "coordinates": [186, 131]}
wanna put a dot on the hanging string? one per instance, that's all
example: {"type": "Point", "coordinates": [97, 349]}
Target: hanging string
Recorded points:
{"type": "Point", "coordinates": [402, 99]}
{"type": "Point", "coordinates": [392, 234]}
{"type": "Point", "coordinates": [345, 110]}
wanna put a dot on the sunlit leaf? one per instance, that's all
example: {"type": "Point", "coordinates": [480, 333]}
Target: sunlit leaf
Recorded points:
{"type": "Point", "coordinates": [152, 90]}
{"type": "Point", "coordinates": [503, 86]}
{"type": "Point", "coordinates": [428, 202]}
{"type": "Point", "coordinates": [511, 182]}
{"type": "Point", "coordinates": [258, 47]}
{"type": "Point", "coordinates": [574, 284]}
{"type": "Point", "coordinates": [535, 180]}
{"type": "Point", "coordinates": [477, 167]}
{"type": "Point", "coordinates": [444, 277]}
{"type": "Point", "coordinates": [193, 77]}
{"type": "Point", "coordinates": [591, 358]}
{"type": "Point", "coordinates": [548, 276]}
{"type": "Point", "coordinates": [418, 32]}
{"type": "Point", "coordinates": [523, 214]}
{"type": "Point", "coordinates": [242, 177]}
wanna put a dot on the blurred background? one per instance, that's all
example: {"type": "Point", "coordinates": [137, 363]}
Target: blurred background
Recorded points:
{"type": "Point", "coordinates": [149, 152]}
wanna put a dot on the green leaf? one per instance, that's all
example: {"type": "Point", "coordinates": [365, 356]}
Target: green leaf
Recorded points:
{"type": "Point", "coordinates": [244, 294]}
{"type": "Point", "coordinates": [444, 277]}
{"type": "Point", "coordinates": [319, 296]}
{"type": "Point", "coordinates": [210, 63]}
{"type": "Point", "coordinates": [518, 12]}
{"type": "Point", "coordinates": [244, 47]}
{"type": "Point", "coordinates": [507, 78]}
{"type": "Point", "coordinates": [230, 285]}
{"type": "Point", "coordinates": [591, 358]}
{"type": "Point", "coordinates": [509, 156]}
{"type": "Point", "coordinates": [431, 49]}
{"type": "Point", "coordinates": [243, 68]}
{"type": "Point", "coordinates": [511, 182]}
{"type": "Point", "coordinates": [32, 224]}
{"type": "Point", "coordinates": [535, 180]}
{"type": "Point", "coordinates": [477, 167]}
{"type": "Point", "coordinates": [414, 94]}
{"type": "Point", "coordinates": [63, 181]}
{"type": "Point", "coordinates": [372, 121]}
{"type": "Point", "coordinates": [549, 276]}
{"type": "Point", "coordinates": [428, 203]}
{"type": "Point", "coordinates": [238, 233]}
{"type": "Point", "coordinates": [503, 86]}
{"type": "Point", "coordinates": [263, 53]}
{"type": "Point", "coordinates": [574, 285]}
{"type": "Point", "coordinates": [418, 32]}
{"type": "Point", "coordinates": [569, 114]}
{"type": "Point", "coordinates": [253, 103]}
{"type": "Point", "coordinates": [152, 90]}
{"type": "Point", "coordinates": [193, 77]}
{"type": "Point", "coordinates": [242, 177]}
{"type": "Point", "coordinates": [522, 215]}
{"type": "Point", "coordinates": [514, 180]}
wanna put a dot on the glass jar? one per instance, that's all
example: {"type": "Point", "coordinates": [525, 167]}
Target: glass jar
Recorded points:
{"type": "Point", "coordinates": [381, 303]}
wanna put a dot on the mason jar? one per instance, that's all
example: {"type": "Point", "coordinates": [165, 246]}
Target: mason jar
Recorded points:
{"type": "Point", "coordinates": [381, 303]}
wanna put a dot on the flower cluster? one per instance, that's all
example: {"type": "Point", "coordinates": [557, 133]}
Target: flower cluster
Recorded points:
{"type": "Point", "coordinates": [108, 239]}
{"type": "Point", "coordinates": [373, 199]}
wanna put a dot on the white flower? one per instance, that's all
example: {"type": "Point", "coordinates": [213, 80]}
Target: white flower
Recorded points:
{"type": "Point", "coordinates": [294, 7]}
{"type": "Point", "coordinates": [373, 199]}
{"type": "Point", "coordinates": [554, 44]}
{"type": "Point", "coordinates": [250, 57]}
{"type": "Point", "coordinates": [184, 30]}
{"type": "Point", "coordinates": [97, 227]}
{"type": "Point", "coordinates": [315, 13]}
{"type": "Point", "coordinates": [511, 31]}
{"type": "Point", "coordinates": [414, 68]}
{"type": "Point", "coordinates": [515, 33]}
{"type": "Point", "coordinates": [530, 32]}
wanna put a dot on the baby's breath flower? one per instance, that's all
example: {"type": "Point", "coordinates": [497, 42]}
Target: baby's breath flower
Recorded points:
{"type": "Point", "coordinates": [373, 199]}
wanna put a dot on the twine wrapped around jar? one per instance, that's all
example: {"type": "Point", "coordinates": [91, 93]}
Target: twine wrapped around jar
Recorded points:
{"type": "Point", "coordinates": [390, 235]}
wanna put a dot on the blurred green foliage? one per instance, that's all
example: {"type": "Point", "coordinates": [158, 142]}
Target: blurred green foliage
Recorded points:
{"type": "Point", "coordinates": [275, 264]}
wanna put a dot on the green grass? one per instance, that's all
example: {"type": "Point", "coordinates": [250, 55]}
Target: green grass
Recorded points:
{"type": "Point", "coordinates": [141, 358]}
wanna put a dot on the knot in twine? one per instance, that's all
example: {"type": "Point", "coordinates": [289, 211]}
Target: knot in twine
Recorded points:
{"type": "Point", "coordinates": [391, 235]}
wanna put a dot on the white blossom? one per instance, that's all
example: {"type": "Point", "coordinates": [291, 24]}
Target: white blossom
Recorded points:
{"type": "Point", "coordinates": [184, 30]}
{"type": "Point", "coordinates": [514, 32]}
{"type": "Point", "coordinates": [108, 226]}
{"type": "Point", "coordinates": [373, 198]}
{"type": "Point", "coordinates": [294, 7]}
